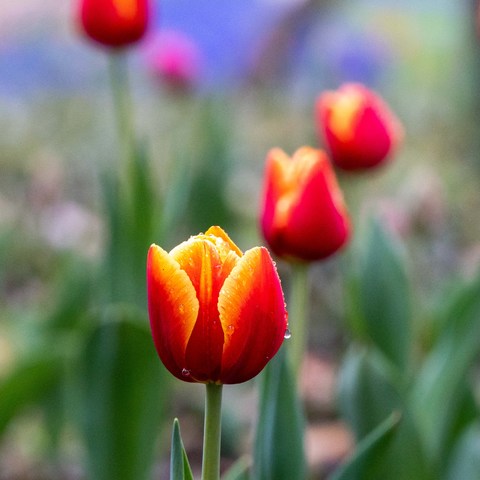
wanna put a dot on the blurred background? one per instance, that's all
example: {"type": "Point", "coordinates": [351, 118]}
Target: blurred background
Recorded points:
{"type": "Point", "coordinates": [244, 79]}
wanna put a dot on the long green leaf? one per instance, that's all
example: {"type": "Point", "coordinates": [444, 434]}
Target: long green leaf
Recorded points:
{"type": "Point", "coordinates": [123, 390]}
{"type": "Point", "coordinates": [28, 384]}
{"type": "Point", "coordinates": [372, 447]}
{"type": "Point", "coordinates": [279, 453]}
{"type": "Point", "coordinates": [440, 393]}
{"type": "Point", "coordinates": [208, 205]}
{"type": "Point", "coordinates": [239, 470]}
{"type": "Point", "coordinates": [366, 394]}
{"type": "Point", "coordinates": [73, 299]}
{"type": "Point", "coordinates": [361, 466]}
{"type": "Point", "coordinates": [369, 394]}
{"type": "Point", "coordinates": [179, 465]}
{"type": "Point", "coordinates": [384, 297]}
{"type": "Point", "coordinates": [465, 458]}
{"type": "Point", "coordinates": [132, 216]}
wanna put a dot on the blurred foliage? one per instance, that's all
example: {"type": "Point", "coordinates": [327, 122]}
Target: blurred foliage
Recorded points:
{"type": "Point", "coordinates": [430, 388]}
{"type": "Point", "coordinates": [75, 351]}
{"type": "Point", "coordinates": [278, 450]}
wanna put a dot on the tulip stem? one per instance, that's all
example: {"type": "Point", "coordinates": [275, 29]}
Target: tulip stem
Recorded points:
{"type": "Point", "coordinates": [298, 314]}
{"type": "Point", "coordinates": [123, 111]}
{"type": "Point", "coordinates": [212, 432]}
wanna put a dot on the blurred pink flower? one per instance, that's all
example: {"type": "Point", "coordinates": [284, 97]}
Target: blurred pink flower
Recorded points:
{"type": "Point", "coordinates": [175, 59]}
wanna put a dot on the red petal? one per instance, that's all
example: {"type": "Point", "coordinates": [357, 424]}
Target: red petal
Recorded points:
{"type": "Point", "coordinates": [201, 261]}
{"type": "Point", "coordinates": [172, 307]}
{"type": "Point", "coordinates": [358, 126]}
{"type": "Point", "coordinates": [318, 235]}
{"type": "Point", "coordinates": [253, 316]}
{"type": "Point", "coordinates": [225, 244]}
{"type": "Point", "coordinates": [307, 219]}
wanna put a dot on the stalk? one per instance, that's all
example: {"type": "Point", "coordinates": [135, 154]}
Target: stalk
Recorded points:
{"type": "Point", "coordinates": [212, 432]}
{"type": "Point", "coordinates": [298, 315]}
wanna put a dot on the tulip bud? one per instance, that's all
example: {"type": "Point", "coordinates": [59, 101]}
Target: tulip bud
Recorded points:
{"type": "Point", "coordinates": [303, 213]}
{"type": "Point", "coordinates": [357, 126]}
{"type": "Point", "coordinates": [114, 23]}
{"type": "Point", "coordinates": [217, 315]}
{"type": "Point", "coordinates": [175, 59]}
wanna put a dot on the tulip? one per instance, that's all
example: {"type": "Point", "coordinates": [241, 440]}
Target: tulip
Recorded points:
{"type": "Point", "coordinates": [357, 127]}
{"type": "Point", "coordinates": [175, 59]}
{"type": "Point", "coordinates": [217, 315]}
{"type": "Point", "coordinates": [114, 23]}
{"type": "Point", "coordinates": [303, 215]}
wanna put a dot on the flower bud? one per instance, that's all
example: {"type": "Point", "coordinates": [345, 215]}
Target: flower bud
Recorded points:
{"type": "Point", "coordinates": [357, 126]}
{"type": "Point", "coordinates": [303, 213]}
{"type": "Point", "coordinates": [217, 315]}
{"type": "Point", "coordinates": [175, 60]}
{"type": "Point", "coordinates": [114, 23]}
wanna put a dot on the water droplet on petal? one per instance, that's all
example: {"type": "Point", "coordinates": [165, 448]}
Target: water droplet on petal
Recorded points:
{"type": "Point", "coordinates": [181, 309]}
{"type": "Point", "coordinates": [287, 334]}
{"type": "Point", "coordinates": [230, 329]}
{"type": "Point", "coordinates": [186, 372]}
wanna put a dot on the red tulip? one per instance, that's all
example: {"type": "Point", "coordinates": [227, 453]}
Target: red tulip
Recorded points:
{"type": "Point", "coordinates": [357, 127]}
{"type": "Point", "coordinates": [114, 23]}
{"type": "Point", "coordinates": [303, 215]}
{"type": "Point", "coordinates": [216, 314]}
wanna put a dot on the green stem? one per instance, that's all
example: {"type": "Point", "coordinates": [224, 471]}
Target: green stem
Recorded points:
{"type": "Point", "coordinates": [298, 315]}
{"type": "Point", "coordinates": [123, 112]}
{"type": "Point", "coordinates": [212, 432]}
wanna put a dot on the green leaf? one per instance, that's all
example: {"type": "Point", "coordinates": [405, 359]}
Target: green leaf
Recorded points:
{"type": "Point", "coordinates": [208, 202]}
{"type": "Point", "coordinates": [143, 197]}
{"type": "Point", "coordinates": [369, 393]}
{"type": "Point", "coordinates": [440, 394]}
{"type": "Point", "coordinates": [28, 384]}
{"type": "Point", "coordinates": [179, 465]}
{"type": "Point", "coordinates": [132, 217]}
{"type": "Point", "coordinates": [465, 458]}
{"type": "Point", "coordinates": [279, 453]}
{"type": "Point", "coordinates": [384, 297]}
{"type": "Point", "coordinates": [362, 464]}
{"type": "Point", "coordinates": [123, 388]}
{"type": "Point", "coordinates": [239, 470]}
{"type": "Point", "coordinates": [74, 288]}
{"type": "Point", "coordinates": [366, 394]}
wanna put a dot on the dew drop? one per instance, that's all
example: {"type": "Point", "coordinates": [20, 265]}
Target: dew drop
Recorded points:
{"type": "Point", "coordinates": [230, 329]}
{"type": "Point", "coordinates": [287, 334]}
{"type": "Point", "coordinates": [186, 372]}
{"type": "Point", "coordinates": [181, 309]}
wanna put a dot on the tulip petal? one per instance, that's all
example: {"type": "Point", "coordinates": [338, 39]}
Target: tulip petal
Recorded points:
{"type": "Point", "coordinates": [292, 176]}
{"type": "Point", "coordinates": [253, 316]}
{"type": "Point", "coordinates": [222, 241]}
{"type": "Point", "coordinates": [318, 236]}
{"type": "Point", "coordinates": [345, 111]}
{"type": "Point", "coordinates": [304, 215]}
{"type": "Point", "coordinates": [358, 127]}
{"type": "Point", "coordinates": [202, 263]}
{"type": "Point", "coordinates": [126, 9]}
{"type": "Point", "coordinates": [173, 308]}
{"type": "Point", "coordinates": [114, 23]}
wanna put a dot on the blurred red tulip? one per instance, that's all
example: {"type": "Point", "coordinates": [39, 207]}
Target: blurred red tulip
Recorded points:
{"type": "Point", "coordinates": [357, 127]}
{"type": "Point", "coordinates": [303, 213]}
{"type": "Point", "coordinates": [114, 23]}
{"type": "Point", "coordinates": [216, 314]}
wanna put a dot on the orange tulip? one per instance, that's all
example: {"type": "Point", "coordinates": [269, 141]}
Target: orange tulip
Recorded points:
{"type": "Point", "coordinates": [357, 127]}
{"type": "Point", "coordinates": [303, 213]}
{"type": "Point", "coordinates": [114, 23]}
{"type": "Point", "coordinates": [216, 314]}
